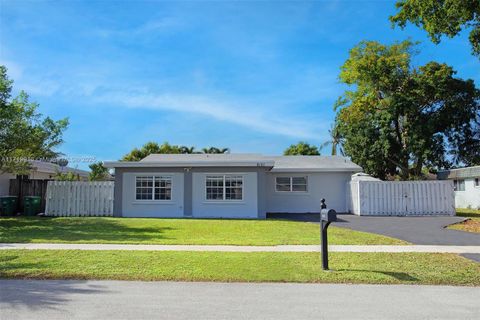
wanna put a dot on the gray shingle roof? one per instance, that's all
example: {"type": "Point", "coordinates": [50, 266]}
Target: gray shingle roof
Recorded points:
{"type": "Point", "coordinates": [276, 163]}
{"type": "Point", "coordinates": [201, 157]}
{"type": "Point", "coordinates": [313, 163]}
{"type": "Point", "coordinates": [48, 167]}
{"type": "Point", "coordinates": [468, 172]}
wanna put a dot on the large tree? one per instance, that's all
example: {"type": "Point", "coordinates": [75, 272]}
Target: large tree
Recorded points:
{"type": "Point", "coordinates": [399, 119]}
{"type": "Point", "coordinates": [24, 133]}
{"type": "Point", "coordinates": [302, 148]}
{"type": "Point", "coordinates": [442, 18]}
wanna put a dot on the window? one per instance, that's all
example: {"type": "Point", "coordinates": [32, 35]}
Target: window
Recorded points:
{"type": "Point", "coordinates": [459, 185]}
{"type": "Point", "coordinates": [224, 187]}
{"type": "Point", "coordinates": [477, 182]}
{"type": "Point", "coordinates": [291, 184]}
{"type": "Point", "coordinates": [153, 188]}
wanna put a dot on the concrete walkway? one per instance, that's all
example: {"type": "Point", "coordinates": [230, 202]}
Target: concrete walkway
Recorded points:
{"type": "Point", "coordinates": [222, 248]}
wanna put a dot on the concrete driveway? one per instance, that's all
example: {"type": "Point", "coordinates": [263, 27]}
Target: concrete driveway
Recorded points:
{"type": "Point", "coordinates": [118, 300]}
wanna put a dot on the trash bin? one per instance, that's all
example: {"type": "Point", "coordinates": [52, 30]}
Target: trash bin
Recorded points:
{"type": "Point", "coordinates": [8, 205]}
{"type": "Point", "coordinates": [31, 205]}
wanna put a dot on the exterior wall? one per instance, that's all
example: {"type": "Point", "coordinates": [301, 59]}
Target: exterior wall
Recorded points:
{"type": "Point", "coordinates": [189, 198]}
{"type": "Point", "coordinates": [329, 185]}
{"type": "Point", "coordinates": [470, 197]}
{"type": "Point", "coordinates": [152, 208]}
{"type": "Point", "coordinates": [246, 208]}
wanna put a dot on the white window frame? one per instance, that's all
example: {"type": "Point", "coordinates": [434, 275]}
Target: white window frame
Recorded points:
{"type": "Point", "coordinates": [291, 184]}
{"type": "Point", "coordinates": [456, 184]}
{"type": "Point", "coordinates": [224, 176]}
{"type": "Point", "coordinates": [153, 176]}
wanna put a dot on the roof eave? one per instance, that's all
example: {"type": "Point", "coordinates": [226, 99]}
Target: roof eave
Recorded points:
{"type": "Point", "coordinates": [177, 164]}
{"type": "Point", "coordinates": [353, 170]}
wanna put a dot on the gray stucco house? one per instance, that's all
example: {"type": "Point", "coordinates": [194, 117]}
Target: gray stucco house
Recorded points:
{"type": "Point", "coordinates": [229, 185]}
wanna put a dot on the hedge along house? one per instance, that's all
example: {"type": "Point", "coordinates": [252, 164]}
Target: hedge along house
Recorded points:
{"type": "Point", "coordinates": [229, 185]}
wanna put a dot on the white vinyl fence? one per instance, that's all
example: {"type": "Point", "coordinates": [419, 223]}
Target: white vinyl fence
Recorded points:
{"type": "Point", "coordinates": [401, 198]}
{"type": "Point", "coordinates": [77, 198]}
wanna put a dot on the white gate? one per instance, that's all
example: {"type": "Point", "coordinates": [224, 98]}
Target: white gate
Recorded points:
{"type": "Point", "coordinates": [77, 198]}
{"type": "Point", "coordinates": [400, 198]}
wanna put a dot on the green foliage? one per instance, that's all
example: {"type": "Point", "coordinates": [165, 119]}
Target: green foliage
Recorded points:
{"type": "Point", "coordinates": [442, 18]}
{"type": "Point", "coordinates": [98, 172]}
{"type": "Point", "coordinates": [166, 148]}
{"type": "Point", "coordinates": [335, 141]}
{"type": "Point", "coordinates": [66, 176]}
{"type": "Point", "coordinates": [215, 150]}
{"type": "Point", "coordinates": [25, 133]}
{"type": "Point", "coordinates": [399, 119]}
{"type": "Point", "coordinates": [151, 148]}
{"type": "Point", "coordinates": [301, 148]}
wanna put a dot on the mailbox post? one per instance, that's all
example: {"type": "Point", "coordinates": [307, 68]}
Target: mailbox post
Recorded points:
{"type": "Point", "coordinates": [327, 216]}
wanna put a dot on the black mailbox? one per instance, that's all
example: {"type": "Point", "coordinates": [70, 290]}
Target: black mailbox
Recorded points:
{"type": "Point", "coordinates": [328, 215]}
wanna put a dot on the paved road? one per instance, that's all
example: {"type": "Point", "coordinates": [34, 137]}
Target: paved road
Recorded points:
{"type": "Point", "coordinates": [24, 299]}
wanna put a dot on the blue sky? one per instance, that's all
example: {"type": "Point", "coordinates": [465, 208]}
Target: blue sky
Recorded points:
{"type": "Point", "coordinates": [255, 76]}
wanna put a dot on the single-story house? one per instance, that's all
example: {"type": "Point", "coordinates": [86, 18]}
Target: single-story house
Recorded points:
{"type": "Point", "coordinates": [229, 185]}
{"type": "Point", "coordinates": [466, 182]}
{"type": "Point", "coordinates": [40, 170]}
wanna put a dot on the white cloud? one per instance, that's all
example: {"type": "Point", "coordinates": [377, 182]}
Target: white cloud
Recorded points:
{"type": "Point", "coordinates": [256, 118]}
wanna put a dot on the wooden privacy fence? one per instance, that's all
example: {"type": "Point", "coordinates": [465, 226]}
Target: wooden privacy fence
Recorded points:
{"type": "Point", "coordinates": [26, 187]}
{"type": "Point", "coordinates": [401, 198]}
{"type": "Point", "coordinates": [77, 198]}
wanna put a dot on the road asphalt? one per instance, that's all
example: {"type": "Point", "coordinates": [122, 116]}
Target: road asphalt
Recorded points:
{"type": "Point", "coordinates": [118, 300]}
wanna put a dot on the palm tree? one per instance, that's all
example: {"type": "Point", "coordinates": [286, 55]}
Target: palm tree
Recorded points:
{"type": "Point", "coordinates": [335, 140]}
{"type": "Point", "coordinates": [187, 150]}
{"type": "Point", "coordinates": [215, 150]}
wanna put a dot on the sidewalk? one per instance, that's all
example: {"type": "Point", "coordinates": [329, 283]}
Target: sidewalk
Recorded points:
{"type": "Point", "coordinates": [226, 248]}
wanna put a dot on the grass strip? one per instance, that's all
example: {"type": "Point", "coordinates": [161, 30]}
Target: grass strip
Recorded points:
{"type": "Point", "coordinates": [375, 268]}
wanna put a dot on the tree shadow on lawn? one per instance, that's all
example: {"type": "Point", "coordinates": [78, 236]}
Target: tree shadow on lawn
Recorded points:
{"type": "Point", "coordinates": [401, 276]}
{"type": "Point", "coordinates": [85, 229]}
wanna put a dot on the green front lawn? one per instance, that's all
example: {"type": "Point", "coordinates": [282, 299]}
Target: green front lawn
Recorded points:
{"type": "Point", "coordinates": [176, 231]}
{"type": "Point", "coordinates": [380, 268]}
{"type": "Point", "coordinates": [472, 224]}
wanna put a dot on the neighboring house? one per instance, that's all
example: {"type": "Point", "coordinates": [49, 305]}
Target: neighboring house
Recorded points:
{"type": "Point", "coordinates": [466, 182]}
{"type": "Point", "coordinates": [40, 171]}
{"type": "Point", "coordinates": [229, 185]}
